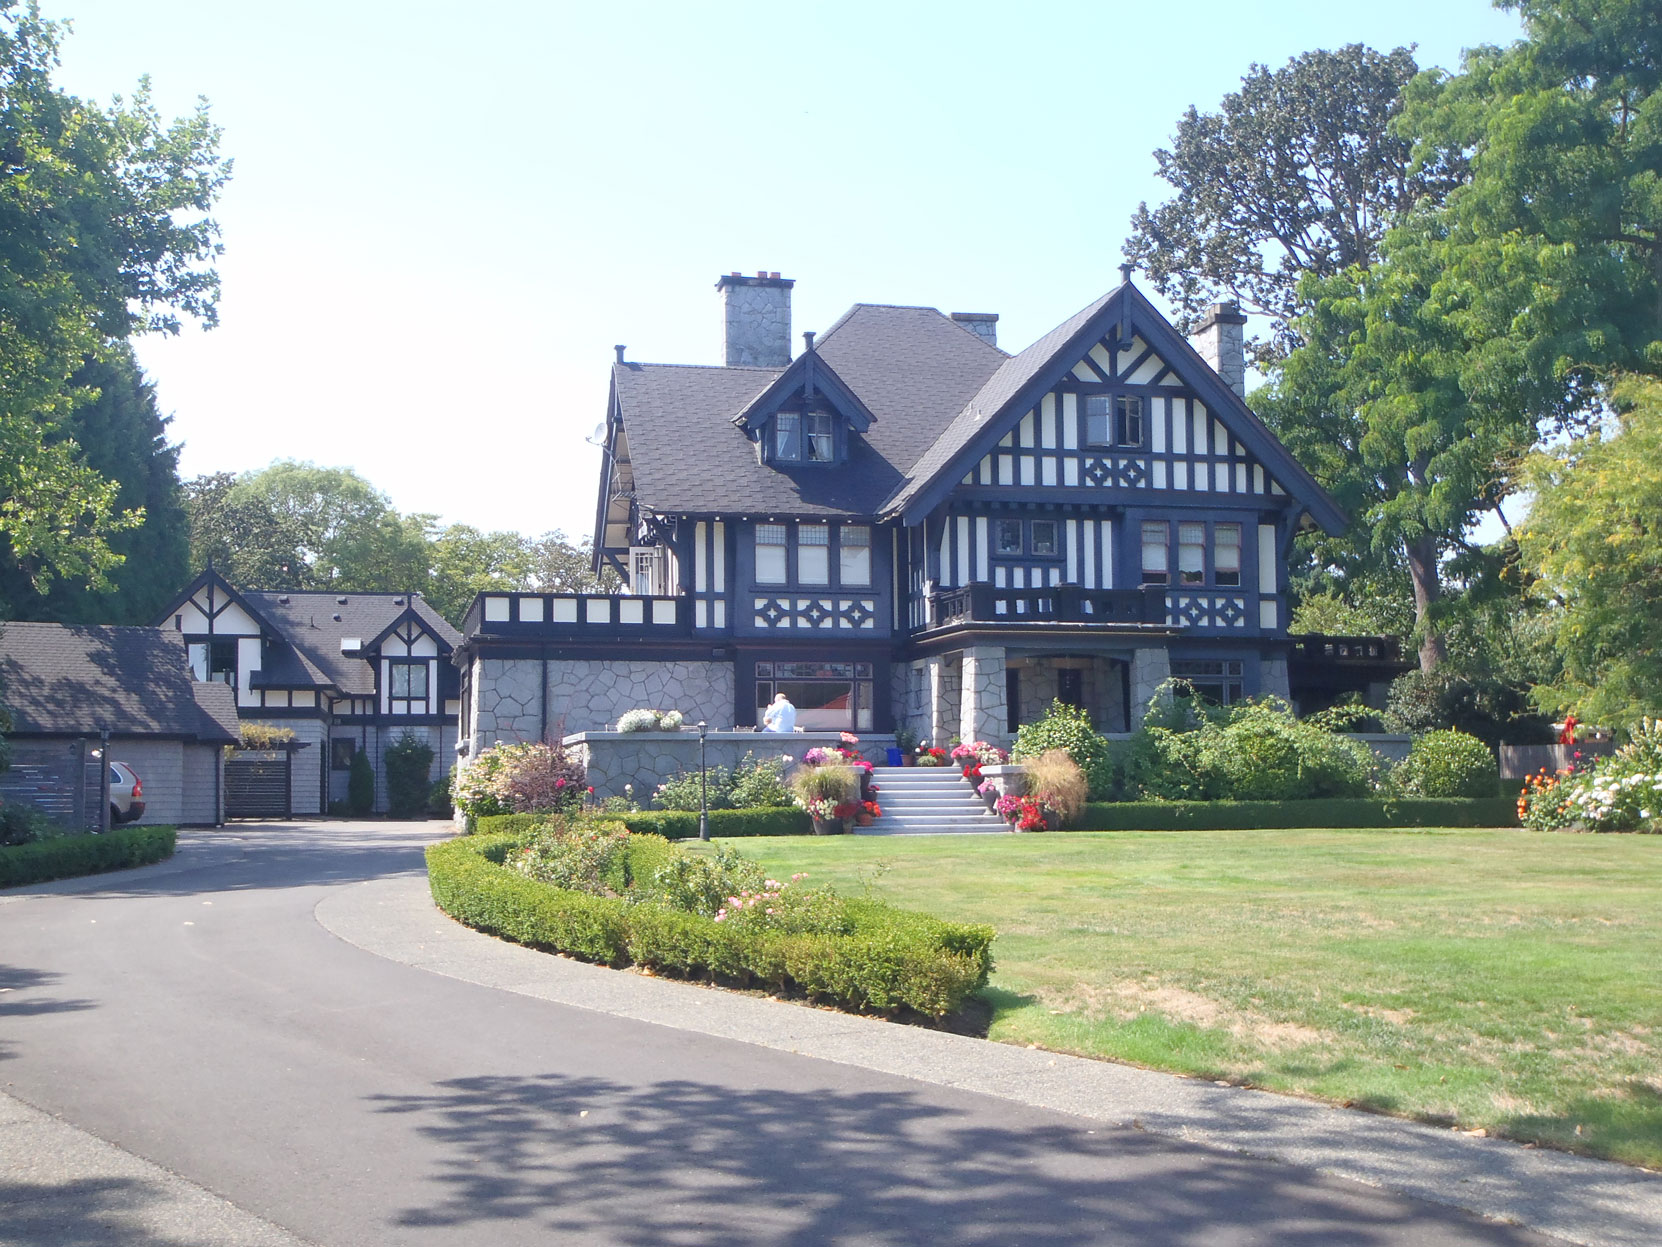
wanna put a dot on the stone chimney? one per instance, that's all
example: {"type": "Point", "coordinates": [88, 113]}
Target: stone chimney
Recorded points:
{"type": "Point", "coordinates": [983, 325]}
{"type": "Point", "coordinates": [758, 319]}
{"type": "Point", "coordinates": [1219, 341]}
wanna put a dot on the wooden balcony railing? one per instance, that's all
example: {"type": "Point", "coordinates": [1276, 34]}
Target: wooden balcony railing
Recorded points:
{"type": "Point", "coordinates": [985, 603]}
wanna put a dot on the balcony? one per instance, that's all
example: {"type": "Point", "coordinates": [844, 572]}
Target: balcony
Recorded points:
{"type": "Point", "coordinates": [1062, 604]}
{"type": "Point", "coordinates": [1357, 651]}
{"type": "Point", "coordinates": [578, 615]}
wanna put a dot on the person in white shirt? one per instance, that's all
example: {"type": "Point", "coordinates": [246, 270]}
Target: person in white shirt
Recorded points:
{"type": "Point", "coordinates": [780, 716]}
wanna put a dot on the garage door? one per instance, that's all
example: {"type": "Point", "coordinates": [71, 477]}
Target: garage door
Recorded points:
{"type": "Point", "coordinates": [258, 783]}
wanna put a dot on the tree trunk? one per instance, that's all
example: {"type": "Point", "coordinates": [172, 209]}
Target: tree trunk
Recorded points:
{"type": "Point", "coordinates": [1422, 570]}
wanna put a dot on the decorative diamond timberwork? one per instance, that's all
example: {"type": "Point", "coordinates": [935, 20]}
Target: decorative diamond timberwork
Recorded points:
{"type": "Point", "coordinates": [1096, 471]}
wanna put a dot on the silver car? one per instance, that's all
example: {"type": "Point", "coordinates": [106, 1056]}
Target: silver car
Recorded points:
{"type": "Point", "coordinates": [126, 794]}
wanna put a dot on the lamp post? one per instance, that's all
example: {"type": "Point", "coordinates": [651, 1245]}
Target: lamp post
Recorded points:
{"type": "Point", "coordinates": [703, 787]}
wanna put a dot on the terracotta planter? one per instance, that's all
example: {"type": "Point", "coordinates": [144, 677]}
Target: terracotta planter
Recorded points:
{"type": "Point", "coordinates": [862, 820]}
{"type": "Point", "coordinates": [908, 759]}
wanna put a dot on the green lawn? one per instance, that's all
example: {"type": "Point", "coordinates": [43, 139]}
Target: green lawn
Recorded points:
{"type": "Point", "coordinates": [1501, 979]}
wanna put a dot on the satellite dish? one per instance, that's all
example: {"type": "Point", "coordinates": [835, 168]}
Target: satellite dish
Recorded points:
{"type": "Point", "coordinates": [599, 434]}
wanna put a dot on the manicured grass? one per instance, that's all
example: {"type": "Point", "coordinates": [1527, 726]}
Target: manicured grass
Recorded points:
{"type": "Point", "coordinates": [1508, 980]}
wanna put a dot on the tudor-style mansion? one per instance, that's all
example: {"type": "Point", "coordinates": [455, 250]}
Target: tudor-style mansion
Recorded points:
{"type": "Point", "coordinates": [905, 525]}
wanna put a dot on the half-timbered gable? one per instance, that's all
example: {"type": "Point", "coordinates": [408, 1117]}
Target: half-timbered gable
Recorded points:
{"type": "Point", "coordinates": [904, 523]}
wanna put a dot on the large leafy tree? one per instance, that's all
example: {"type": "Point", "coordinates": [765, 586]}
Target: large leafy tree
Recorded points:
{"type": "Point", "coordinates": [1490, 319]}
{"type": "Point", "coordinates": [123, 437]}
{"type": "Point", "coordinates": [300, 526]}
{"type": "Point", "coordinates": [1298, 172]}
{"type": "Point", "coordinates": [1594, 540]}
{"type": "Point", "coordinates": [104, 233]}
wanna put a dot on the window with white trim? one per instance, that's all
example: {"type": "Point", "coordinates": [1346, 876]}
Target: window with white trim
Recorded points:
{"type": "Point", "coordinates": [854, 554]}
{"type": "Point", "coordinates": [813, 554]}
{"type": "Point", "coordinates": [1191, 553]}
{"type": "Point", "coordinates": [1156, 552]}
{"type": "Point", "coordinates": [1226, 555]}
{"type": "Point", "coordinates": [770, 554]}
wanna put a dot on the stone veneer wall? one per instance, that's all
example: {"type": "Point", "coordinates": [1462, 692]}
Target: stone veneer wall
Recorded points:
{"type": "Point", "coordinates": [644, 759]}
{"type": "Point", "coordinates": [1103, 689]}
{"type": "Point", "coordinates": [588, 694]}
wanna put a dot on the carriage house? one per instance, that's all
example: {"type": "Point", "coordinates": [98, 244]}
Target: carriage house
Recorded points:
{"type": "Point", "coordinates": [347, 673]}
{"type": "Point", "coordinates": [905, 525]}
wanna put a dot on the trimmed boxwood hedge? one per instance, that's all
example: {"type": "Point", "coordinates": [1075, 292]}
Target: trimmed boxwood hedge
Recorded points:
{"type": "Point", "coordinates": [1248, 815]}
{"type": "Point", "coordinates": [676, 824]}
{"type": "Point", "coordinates": [68, 856]}
{"type": "Point", "coordinates": [892, 959]}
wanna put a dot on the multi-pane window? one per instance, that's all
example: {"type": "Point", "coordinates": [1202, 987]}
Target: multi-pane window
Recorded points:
{"type": "Point", "coordinates": [854, 554]}
{"type": "Point", "coordinates": [770, 554]}
{"type": "Point", "coordinates": [787, 430]}
{"type": "Point", "coordinates": [1044, 537]}
{"type": "Point", "coordinates": [1226, 555]}
{"type": "Point", "coordinates": [813, 554]}
{"type": "Point", "coordinates": [828, 696]}
{"type": "Point", "coordinates": [409, 680]}
{"type": "Point", "coordinates": [821, 441]}
{"type": "Point", "coordinates": [1216, 680]}
{"type": "Point", "coordinates": [1113, 420]}
{"type": "Point", "coordinates": [1007, 536]}
{"type": "Point", "coordinates": [1191, 554]}
{"type": "Point", "coordinates": [1156, 552]}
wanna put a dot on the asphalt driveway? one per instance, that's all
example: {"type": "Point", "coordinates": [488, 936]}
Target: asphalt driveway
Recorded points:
{"type": "Point", "coordinates": [263, 1080]}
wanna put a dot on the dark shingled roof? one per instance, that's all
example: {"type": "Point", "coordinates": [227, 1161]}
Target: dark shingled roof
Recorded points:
{"type": "Point", "coordinates": [79, 679]}
{"type": "Point", "coordinates": [313, 655]}
{"type": "Point", "coordinates": [913, 368]}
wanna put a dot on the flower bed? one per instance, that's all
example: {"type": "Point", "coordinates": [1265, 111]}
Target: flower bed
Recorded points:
{"type": "Point", "coordinates": [857, 954]}
{"type": "Point", "coordinates": [1621, 792]}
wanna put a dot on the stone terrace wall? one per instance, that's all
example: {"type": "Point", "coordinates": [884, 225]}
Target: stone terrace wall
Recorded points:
{"type": "Point", "coordinates": [644, 759]}
{"type": "Point", "coordinates": [589, 694]}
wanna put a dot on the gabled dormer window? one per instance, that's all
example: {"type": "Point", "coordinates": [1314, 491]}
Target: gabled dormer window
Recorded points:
{"type": "Point", "coordinates": [803, 437]}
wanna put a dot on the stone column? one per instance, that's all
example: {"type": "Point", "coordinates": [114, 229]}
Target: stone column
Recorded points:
{"type": "Point", "coordinates": [1150, 668]}
{"type": "Point", "coordinates": [982, 713]}
{"type": "Point", "coordinates": [940, 719]}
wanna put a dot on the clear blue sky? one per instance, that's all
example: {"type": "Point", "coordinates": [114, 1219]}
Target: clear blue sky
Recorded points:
{"type": "Point", "coordinates": [443, 217]}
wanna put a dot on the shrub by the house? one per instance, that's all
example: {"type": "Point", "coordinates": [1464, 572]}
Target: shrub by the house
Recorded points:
{"type": "Point", "coordinates": [520, 779]}
{"type": "Point", "coordinates": [1448, 764]}
{"type": "Point", "coordinates": [753, 784]}
{"type": "Point", "coordinates": [67, 856]}
{"type": "Point", "coordinates": [1069, 728]}
{"type": "Point", "coordinates": [408, 761]}
{"type": "Point", "coordinates": [360, 785]}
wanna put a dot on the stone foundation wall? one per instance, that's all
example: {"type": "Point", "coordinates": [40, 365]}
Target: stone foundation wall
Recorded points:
{"type": "Point", "coordinates": [589, 695]}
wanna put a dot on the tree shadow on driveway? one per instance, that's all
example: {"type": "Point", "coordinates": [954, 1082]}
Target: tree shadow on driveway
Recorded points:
{"type": "Point", "coordinates": [678, 1161]}
{"type": "Point", "coordinates": [19, 988]}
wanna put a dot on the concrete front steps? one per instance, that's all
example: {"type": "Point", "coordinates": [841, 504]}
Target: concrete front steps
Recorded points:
{"type": "Point", "coordinates": [928, 801]}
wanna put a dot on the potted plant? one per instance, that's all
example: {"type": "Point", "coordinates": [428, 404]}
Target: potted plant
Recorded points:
{"type": "Point", "coordinates": [905, 740]}
{"type": "Point", "coordinates": [830, 794]}
{"type": "Point", "coordinates": [1057, 786]}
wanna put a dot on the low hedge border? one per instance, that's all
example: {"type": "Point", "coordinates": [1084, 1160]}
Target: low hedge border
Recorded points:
{"type": "Point", "coordinates": [893, 959]}
{"type": "Point", "coordinates": [785, 820]}
{"type": "Point", "coordinates": [65, 857]}
{"type": "Point", "coordinates": [1251, 815]}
